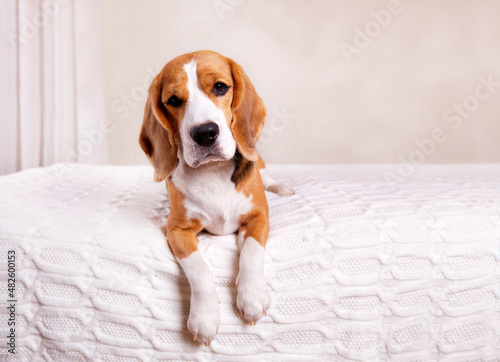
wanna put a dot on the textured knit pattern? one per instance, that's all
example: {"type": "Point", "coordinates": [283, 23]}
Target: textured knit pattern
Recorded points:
{"type": "Point", "coordinates": [358, 268]}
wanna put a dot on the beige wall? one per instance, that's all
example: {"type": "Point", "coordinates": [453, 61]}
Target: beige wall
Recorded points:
{"type": "Point", "coordinates": [349, 97]}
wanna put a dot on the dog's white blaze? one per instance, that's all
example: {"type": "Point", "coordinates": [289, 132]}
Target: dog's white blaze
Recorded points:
{"type": "Point", "coordinates": [211, 197]}
{"type": "Point", "coordinates": [199, 110]}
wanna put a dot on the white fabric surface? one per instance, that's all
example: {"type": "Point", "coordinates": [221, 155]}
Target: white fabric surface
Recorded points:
{"type": "Point", "coordinates": [357, 268]}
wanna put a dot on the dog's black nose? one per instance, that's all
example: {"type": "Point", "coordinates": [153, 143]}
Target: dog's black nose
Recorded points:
{"type": "Point", "coordinates": [206, 134]}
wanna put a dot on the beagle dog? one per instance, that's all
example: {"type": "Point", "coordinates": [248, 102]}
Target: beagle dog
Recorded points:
{"type": "Point", "coordinates": [202, 120]}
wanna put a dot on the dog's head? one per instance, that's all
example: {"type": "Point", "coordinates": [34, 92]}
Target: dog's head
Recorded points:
{"type": "Point", "coordinates": [201, 107]}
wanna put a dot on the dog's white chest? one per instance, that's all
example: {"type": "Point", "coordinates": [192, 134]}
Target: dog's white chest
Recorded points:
{"type": "Point", "coordinates": [211, 197]}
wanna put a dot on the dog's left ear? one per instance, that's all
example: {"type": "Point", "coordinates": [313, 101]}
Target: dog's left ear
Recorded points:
{"type": "Point", "coordinates": [249, 113]}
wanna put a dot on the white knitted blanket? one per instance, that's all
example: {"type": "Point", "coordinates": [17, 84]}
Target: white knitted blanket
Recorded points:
{"type": "Point", "coordinates": [358, 268]}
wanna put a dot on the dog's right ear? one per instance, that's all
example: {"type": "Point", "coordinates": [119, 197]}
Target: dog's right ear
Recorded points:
{"type": "Point", "coordinates": [157, 136]}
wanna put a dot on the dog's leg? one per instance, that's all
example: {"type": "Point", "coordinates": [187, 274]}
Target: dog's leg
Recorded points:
{"type": "Point", "coordinates": [253, 299]}
{"type": "Point", "coordinates": [204, 318]}
{"type": "Point", "coordinates": [269, 183]}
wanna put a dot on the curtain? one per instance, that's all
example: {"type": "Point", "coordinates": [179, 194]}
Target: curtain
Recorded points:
{"type": "Point", "coordinates": [51, 84]}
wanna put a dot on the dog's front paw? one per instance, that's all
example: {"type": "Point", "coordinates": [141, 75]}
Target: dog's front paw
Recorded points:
{"type": "Point", "coordinates": [204, 319]}
{"type": "Point", "coordinates": [253, 299]}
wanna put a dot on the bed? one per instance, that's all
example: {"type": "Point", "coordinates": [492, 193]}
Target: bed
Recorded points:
{"type": "Point", "coordinates": [363, 263]}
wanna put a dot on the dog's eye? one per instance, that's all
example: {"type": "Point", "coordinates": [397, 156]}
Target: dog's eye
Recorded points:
{"type": "Point", "coordinates": [220, 89]}
{"type": "Point", "coordinates": [174, 101]}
